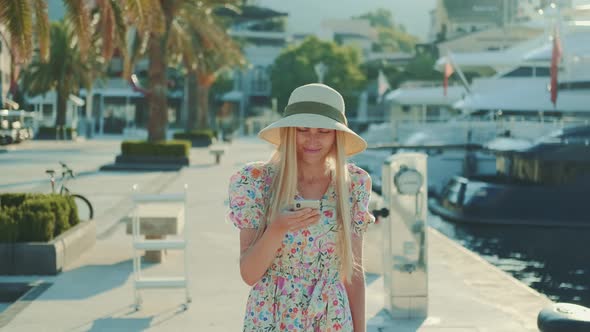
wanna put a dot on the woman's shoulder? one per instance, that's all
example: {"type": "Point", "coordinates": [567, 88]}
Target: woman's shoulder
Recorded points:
{"type": "Point", "coordinates": [254, 171]}
{"type": "Point", "coordinates": [356, 172]}
{"type": "Point", "coordinates": [359, 178]}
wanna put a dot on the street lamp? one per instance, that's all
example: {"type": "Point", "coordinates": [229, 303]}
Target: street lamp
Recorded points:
{"type": "Point", "coordinates": [320, 70]}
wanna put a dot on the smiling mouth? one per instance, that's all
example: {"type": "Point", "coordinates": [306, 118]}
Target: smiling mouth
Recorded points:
{"type": "Point", "coordinates": [311, 150]}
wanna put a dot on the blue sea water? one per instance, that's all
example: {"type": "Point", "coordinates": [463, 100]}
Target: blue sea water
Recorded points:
{"type": "Point", "coordinates": [554, 261]}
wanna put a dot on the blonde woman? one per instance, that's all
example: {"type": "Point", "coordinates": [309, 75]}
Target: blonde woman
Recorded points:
{"type": "Point", "coordinates": [304, 266]}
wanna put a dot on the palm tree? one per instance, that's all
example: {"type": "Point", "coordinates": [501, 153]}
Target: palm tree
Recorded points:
{"type": "Point", "coordinates": [25, 18]}
{"type": "Point", "coordinates": [206, 50]}
{"type": "Point", "coordinates": [184, 22]}
{"type": "Point", "coordinates": [65, 70]}
{"type": "Point", "coordinates": [103, 26]}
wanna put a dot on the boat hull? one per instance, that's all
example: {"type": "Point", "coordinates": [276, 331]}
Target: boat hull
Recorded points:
{"type": "Point", "coordinates": [493, 200]}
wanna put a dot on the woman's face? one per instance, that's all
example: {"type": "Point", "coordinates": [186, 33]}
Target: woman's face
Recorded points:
{"type": "Point", "coordinates": [314, 144]}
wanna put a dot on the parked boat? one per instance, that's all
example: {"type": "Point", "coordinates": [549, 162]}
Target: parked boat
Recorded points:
{"type": "Point", "coordinates": [514, 104]}
{"type": "Point", "coordinates": [547, 184]}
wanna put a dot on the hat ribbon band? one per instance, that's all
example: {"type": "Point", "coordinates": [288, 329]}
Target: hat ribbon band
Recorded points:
{"type": "Point", "coordinates": [311, 107]}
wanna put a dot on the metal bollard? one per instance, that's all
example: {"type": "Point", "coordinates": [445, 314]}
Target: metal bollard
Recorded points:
{"type": "Point", "coordinates": [405, 265]}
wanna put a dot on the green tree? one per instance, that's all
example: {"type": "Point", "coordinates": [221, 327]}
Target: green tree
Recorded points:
{"type": "Point", "coordinates": [421, 68]}
{"type": "Point", "coordinates": [65, 70]}
{"type": "Point", "coordinates": [187, 38]}
{"type": "Point", "coordinates": [102, 26]}
{"type": "Point", "coordinates": [204, 48]}
{"type": "Point", "coordinates": [295, 67]}
{"type": "Point", "coordinates": [392, 37]}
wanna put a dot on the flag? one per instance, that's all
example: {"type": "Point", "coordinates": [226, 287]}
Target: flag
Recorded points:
{"type": "Point", "coordinates": [382, 85]}
{"type": "Point", "coordinates": [555, 59]}
{"type": "Point", "coordinates": [448, 72]}
{"type": "Point", "coordinates": [134, 82]}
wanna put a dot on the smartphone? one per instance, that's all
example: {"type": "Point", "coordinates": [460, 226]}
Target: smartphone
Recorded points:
{"type": "Point", "coordinates": [298, 205]}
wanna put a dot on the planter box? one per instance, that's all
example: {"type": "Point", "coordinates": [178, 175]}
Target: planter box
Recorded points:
{"type": "Point", "coordinates": [53, 134]}
{"type": "Point", "coordinates": [200, 142]}
{"type": "Point", "coordinates": [146, 163]}
{"type": "Point", "coordinates": [122, 159]}
{"type": "Point", "coordinates": [47, 258]}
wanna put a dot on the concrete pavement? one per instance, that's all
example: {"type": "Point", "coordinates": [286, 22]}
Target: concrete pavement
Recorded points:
{"type": "Point", "coordinates": [96, 293]}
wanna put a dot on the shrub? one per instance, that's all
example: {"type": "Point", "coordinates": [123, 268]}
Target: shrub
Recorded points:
{"type": "Point", "coordinates": [15, 199]}
{"type": "Point", "coordinates": [173, 148]}
{"type": "Point", "coordinates": [73, 218]}
{"type": "Point", "coordinates": [26, 217]}
{"type": "Point", "coordinates": [38, 221]}
{"type": "Point", "coordinates": [61, 210]}
{"type": "Point", "coordinates": [8, 226]}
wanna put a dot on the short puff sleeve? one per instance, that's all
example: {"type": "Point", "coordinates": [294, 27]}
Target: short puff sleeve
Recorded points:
{"type": "Point", "coordinates": [246, 200]}
{"type": "Point", "coordinates": [360, 196]}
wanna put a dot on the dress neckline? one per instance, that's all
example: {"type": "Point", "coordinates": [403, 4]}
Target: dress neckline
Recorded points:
{"type": "Point", "coordinates": [326, 193]}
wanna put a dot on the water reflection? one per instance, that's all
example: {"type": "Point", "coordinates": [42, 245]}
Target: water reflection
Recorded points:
{"type": "Point", "coordinates": [554, 261]}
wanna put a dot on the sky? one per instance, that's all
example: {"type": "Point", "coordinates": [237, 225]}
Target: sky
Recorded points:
{"type": "Point", "coordinates": [306, 15]}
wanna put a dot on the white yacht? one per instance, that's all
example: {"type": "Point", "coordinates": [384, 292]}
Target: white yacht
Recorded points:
{"type": "Point", "coordinates": [507, 110]}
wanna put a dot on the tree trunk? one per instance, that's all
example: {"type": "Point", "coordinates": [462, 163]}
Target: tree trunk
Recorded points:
{"type": "Point", "coordinates": [157, 102]}
{"type": "Point", "coordinates": [60, 119]}
{"type": "Point", "coordinates": [158, 85]}
{"type": "Point", "coordinates": [205, 82]}
{"type": "Point", "coordinates": [203, 95]}
{"type": "Point", "coordinates": [192, 101]}
{"type": "Point", "coordinates": [62, 104]}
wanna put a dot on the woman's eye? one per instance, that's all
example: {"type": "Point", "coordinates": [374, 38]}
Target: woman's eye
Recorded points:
{"type": "Point", "coordinates": [302, 130]}
{"type": "Point", "coordinates": [325, 131]}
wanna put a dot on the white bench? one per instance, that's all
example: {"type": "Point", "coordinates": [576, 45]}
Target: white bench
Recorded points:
{"type": "Point", "coordinates": [217, 151]}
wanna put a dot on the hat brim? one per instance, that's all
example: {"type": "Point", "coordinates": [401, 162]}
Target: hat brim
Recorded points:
{"type": "Point", "coordinates": [353, 143]}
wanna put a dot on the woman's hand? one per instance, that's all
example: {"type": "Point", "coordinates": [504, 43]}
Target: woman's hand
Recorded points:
{"type": "Point", "coordinates": [289, 221]}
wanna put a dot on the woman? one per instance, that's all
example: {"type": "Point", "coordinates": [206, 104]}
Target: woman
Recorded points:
{"type": "Point", "coordinates": [305, 266]}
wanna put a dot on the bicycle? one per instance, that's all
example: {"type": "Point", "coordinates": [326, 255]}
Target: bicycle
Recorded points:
{"type": "Point", "coordinates": [85, 210]}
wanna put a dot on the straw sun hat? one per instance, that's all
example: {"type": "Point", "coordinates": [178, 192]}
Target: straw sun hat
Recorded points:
{"type": "Point", "coordinates": [315, 106]}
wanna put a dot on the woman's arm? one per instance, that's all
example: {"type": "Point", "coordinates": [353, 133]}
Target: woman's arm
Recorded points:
{"type": "Point", "coordinates": [255, 259]}
{"type": "Point", "coordinates": [356, 287]}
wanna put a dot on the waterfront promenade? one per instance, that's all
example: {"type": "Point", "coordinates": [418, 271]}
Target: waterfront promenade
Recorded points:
{"type": "Point", "coordinates": [96, 292]}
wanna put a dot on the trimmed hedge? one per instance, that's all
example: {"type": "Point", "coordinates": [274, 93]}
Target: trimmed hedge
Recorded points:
{"type": "Point", "coordinates": [203, 137]}
{"type": "Point", "coordinates": [173, 148]}
{"type": "Point", "coordinates": [35, 217]}
{"type": "Point", "coordinates": [52, 133]}
{"type": "Point", "coordinates": [202, 133]}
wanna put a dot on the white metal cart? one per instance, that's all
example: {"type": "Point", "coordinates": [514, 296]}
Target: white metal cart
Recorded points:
{"type": "Point", "coordinates": [155, 216]}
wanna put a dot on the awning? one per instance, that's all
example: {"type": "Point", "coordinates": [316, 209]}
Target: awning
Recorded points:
{"type": "Point", "coordinates": [425, 95]}
{"type": "Point", "coordinates": [233, 96]}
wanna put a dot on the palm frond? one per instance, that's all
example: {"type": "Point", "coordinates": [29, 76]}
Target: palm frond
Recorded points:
{"type": "Point", "coordinates": [42, 27]}
{"type": "Point", "coordinates": [211, 48]}
{"type": "Point", "coordinates": [120, 28]}
{"type": "Point", "coordinates": [107, 28]}
{"type": "Point", "coordinates": [146, 15]}
{"type": "Point", "coordinates": [17, 17]}
{"type": "Point", "coordinates": [78, 14]}
{"type": "Point", "coordinates": [138, 48]}
{"type": "Point", "coordinates": [65, 69]}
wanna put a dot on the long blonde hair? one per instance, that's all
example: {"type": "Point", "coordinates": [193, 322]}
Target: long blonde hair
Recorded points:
{"type": "Point", "coordinates": [284, 189]}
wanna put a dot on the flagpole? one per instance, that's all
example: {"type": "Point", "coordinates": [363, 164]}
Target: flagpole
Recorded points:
{"type": "Point", "coordinates": [459, 71]}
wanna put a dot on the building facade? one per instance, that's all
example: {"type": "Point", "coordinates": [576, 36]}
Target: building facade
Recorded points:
{"type": "Point", "coordinates": [4, 66]}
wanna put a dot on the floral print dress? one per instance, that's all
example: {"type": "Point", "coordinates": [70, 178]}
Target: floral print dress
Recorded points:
{"type": "Point", "coordinates": [302, 289]}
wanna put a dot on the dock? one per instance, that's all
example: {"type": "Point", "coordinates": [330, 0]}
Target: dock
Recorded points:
{"type": "Point", "coordinates": [466, 293]}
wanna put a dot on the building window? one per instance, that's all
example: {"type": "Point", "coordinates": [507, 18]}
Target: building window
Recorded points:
{"type": "Point", "coordinates": [542, 72]}
{"type": "Point", "coordinates": [260, 81]}
{"type": "Point", "coordinates": [520, 72]}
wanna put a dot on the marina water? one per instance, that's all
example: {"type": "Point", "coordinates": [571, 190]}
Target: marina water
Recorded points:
{"type": "Point", "coordinates": [552, 260]}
